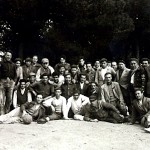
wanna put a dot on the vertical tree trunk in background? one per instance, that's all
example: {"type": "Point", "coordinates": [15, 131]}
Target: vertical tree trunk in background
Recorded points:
{"type": "Point", "coordinates": [137, 48]}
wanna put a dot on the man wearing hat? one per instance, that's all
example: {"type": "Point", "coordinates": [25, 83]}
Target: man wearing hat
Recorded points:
{"type": "Point", "coordinates": [123, 78]}
{"type": "Point", "coordinates": [27, 68]}
{"type": "Point", "coordinates": [62, 62]}
{"type": "Point", "coordinates": [45, 68]}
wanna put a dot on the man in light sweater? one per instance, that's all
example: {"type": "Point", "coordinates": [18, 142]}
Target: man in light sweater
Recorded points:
{"type": "Point", "coordinates": [77, 103]}
{"type": "Point", "coordinates": [57, 105]}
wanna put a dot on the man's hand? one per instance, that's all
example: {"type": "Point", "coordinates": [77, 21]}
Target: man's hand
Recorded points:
{"type": "Point", "coordinates": [94, 120]}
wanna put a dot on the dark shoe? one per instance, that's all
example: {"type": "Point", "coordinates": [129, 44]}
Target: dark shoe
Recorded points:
{"type": "Point", "coordinates": [41, 121]}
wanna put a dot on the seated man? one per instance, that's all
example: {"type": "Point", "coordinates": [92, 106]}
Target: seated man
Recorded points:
{"type": "Point", "coordinates": [141, 109]}
{"type": "Point", "coordinates": [104, 112]}
{"type": "Point", "coordinates": [111, 93]}
{"type": "Point", "coordinates": [57, 105]}
{"type": "Point", "coordinates": [35, 109]}
{"type": "Point", "coordinates": [77, 103]}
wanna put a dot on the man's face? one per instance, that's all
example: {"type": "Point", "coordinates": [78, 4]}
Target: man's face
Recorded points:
{"type": "Point", "coordinates": [35, 59]}
{"type": "Point", "coordinates": [22, 85]}
{"type": "Point", "coordinates": [62, 60]}
{"type": "Point", "coordinates": [62, 70]}
{"type": "Point", "coordinates": [32, 79]}
{"type": "Point", "coordinates": [45, 79]}
{"type": "Point", "coordinates": [18, 64]}
{"type": "Point", "coordinates": [138, 95]}
{"type": "Point", "coordinates": [104, 64]}
{"type": "Point", "coordinates": [8, 56]}
{"type": "Point", "coordinates": [133, 65]}
{"type": "Point", "coordinates": [45, 64]}
{"type": "Point", "coordinates": [108, 78]}
{"type": "Point", "coordinates": [73, 70]}
{"type": "Point", "coordinates": [76, 96]}
{"type": "Point", "coordinates": [97, 64]}
{"type": "Point", "coordinates": [82, 78]}
{"type": "Point", "coordinates": [39, 98]}
{"type": "Point", "coordinates": [89, 67]}
{"type": "Point", "coordinates": [114, 65]}
{"type": "Point", "coordinates": [93, 86]}
{"type": "Point", "coordinates": [68, 78]}
{"type": "Point", "coordinates": [81, 62]}
{"type": "Point", "coordinates": [57, 92]}
{"type": "Point", "coordinates": [145, 64]}
{"type": "Point", "coordinates": [28, 63]}
{"type": "Point", "coordinates": [56, 79]}
{"type": "Point", "coordinates": [121, 65]}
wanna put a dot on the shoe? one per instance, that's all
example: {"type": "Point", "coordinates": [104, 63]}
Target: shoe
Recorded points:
{"type": "Point", "coordinates": [41, 121]}
{"type": "Point", "coordinates": [147, 129]}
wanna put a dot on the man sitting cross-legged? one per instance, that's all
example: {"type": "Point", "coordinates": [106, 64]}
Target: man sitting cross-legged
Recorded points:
{"type": "Point", "coordinates": [77, 103]}
{"type": "Point", "coordinates": [34, 108]}
{"type": "Point", "coordinates": [57, 105]}
{"type": "Point", "coordinates": [102, 111]}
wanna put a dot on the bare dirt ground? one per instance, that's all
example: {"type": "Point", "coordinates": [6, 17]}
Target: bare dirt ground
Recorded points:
{"type": "Point", "coordinates": [73, 135]}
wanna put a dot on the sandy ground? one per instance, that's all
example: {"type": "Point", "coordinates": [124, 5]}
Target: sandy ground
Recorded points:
{"type": "Point", "coordinates": [73, 135]}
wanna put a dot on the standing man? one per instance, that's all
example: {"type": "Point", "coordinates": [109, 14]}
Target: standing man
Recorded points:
{"type": "Point", "coordinates": [35, 64]}
{"type": "Point", "coordinates": [7, 79]}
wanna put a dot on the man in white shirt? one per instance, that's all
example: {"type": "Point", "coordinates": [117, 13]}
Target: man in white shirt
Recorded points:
{"type": "Point", "coordinates": [77, 103]}
{"type": "Point", "coordinates": [57, 105]}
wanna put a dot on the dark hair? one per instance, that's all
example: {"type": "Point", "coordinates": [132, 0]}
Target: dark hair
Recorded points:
{"type": "Point", "coordinates": [55, 74]}
{"type": "Point", "coordinates": [63, 56]}
{"type": "Point", "coordinates": [145, 59]}
{"type": "Point", "coordinates": [138, 89]}
{"type": "Point", "coordinates": [44, 74]}
{"type": "Point", "coordinates": [18, 59]}
{"type": "Point", "coordinates": [103, 59]}
{"type": "Point", "coordinates": [23, 80]}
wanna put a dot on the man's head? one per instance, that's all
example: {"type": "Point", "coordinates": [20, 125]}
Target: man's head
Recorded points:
{"type": "Point", "coordinates": [139, 94]}
{"type": "Point", "coordinates": [97, 64]}
{"type": "Point", "coordinates": [28, 61]}
{"type": "Point", "coordinates": [82, 78]}
{"type": "Point", "coordinates": [68, 78]}
{"type": "Point", "coordinates": [81, 61]}
{"type": "Point", "coordinates": [22, 83]}
{"type": "Point", "coordinates": [108, 77]}
{"type": "Point", "coordinates": [63, 59]}
{"type": "Point", "coordinates": [61, 69]}
{"type": "Point", "coordinates": [133, 63]}
{"type": "Point", "coordinates": [74, 69]}
{"type": "Point", "coordinates": [76, 94]}
{"type": "Point", "coordinates": [57, 92]}
{"type": "Point", "coordinates": [103, 63]}
{"type": "Point", "coordinates": [39, 98]}
{"type": "Point", "coordinates": [8, 55]}
{"type": "Point", "coordinates": [45, 63]}
{"type": "Point", "coordinates": [44, 77]}
{"type": "Point", "coordinates": [145, 62]}
{"type": "Point", "coordinates": [114, 65]}
{"type": "Point", "coordinates": [55, 77]}
{"type": "Point", "coordinates": [121, 65]}
{"type": "Point", "coordinates": [35, 59]}
{"type": "Point", "coordinates": [93, 85]}
{"type": "Point", "coordinates": [18, 62]}
{"type": "Point", "coordinates": [89, 66]}
{"type": "Point", "coordinates": [32, 77]}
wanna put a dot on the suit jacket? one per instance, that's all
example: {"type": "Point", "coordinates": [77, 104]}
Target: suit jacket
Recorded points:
{"type": "Point", "coordinates": [116, 91]}
{"type": "Point", "coordinates": [83, 91]}
{"type": "Point", "coordinates": [148, 80]}
{"type": "Point", "coordinates": [139, 111]}
{"type": "Point", "coordinates": [124, 80]}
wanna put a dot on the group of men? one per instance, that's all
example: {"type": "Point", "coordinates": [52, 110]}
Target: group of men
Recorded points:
{"type": "Point", "coordinates": [105, 91]}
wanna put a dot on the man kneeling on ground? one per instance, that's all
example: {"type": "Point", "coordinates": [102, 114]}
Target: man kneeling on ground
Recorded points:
{"type": "Point", "coordinates": [34, 108]}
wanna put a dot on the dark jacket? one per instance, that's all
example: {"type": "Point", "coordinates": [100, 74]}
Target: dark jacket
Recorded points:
{"type": "Point", "coordinates": [27, 106]}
